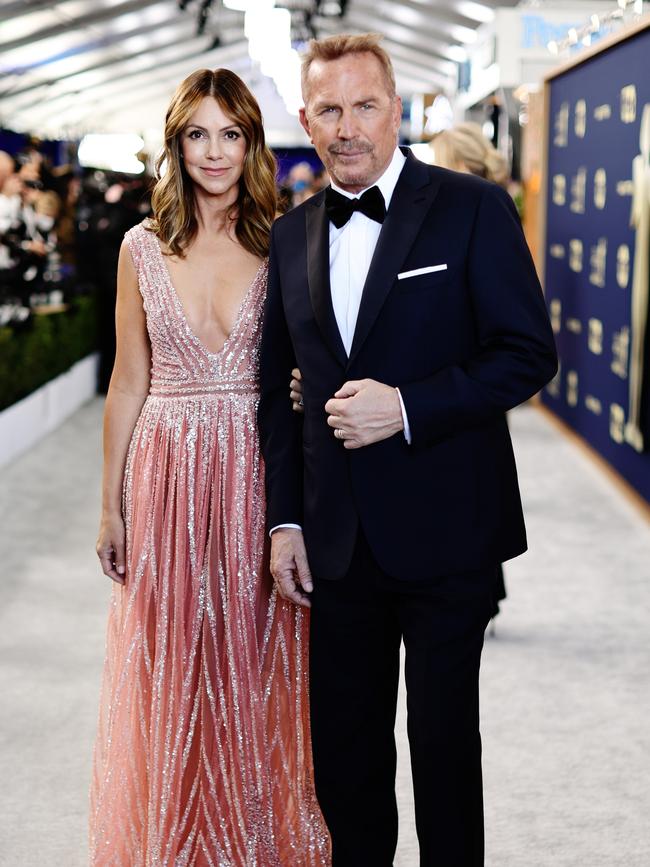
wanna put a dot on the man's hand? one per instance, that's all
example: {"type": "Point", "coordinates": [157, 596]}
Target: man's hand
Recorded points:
{"type": "Point", "coordinates": [364, 412]}
{"type": "Point", "coordinates": [289, 566]}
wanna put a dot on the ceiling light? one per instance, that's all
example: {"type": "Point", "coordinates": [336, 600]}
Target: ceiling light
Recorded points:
{"type": "Point", "coordinates": [476, 11]}
{"type": "Point", "coordinates": [113, 152]}
{"type": "Point", "coordinates": [463, 34]}
{"type": "Point", "coordinates": [239, 5]}
{"type": "Point", "coordinates": [457, 53]}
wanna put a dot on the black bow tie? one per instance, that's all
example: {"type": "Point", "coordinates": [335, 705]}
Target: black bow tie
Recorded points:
{"type": "Point", "coordinates": [339, 208]}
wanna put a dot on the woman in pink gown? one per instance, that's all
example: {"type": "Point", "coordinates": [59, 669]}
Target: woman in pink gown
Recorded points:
{"type": "Point", "coordinates": [203, 754]}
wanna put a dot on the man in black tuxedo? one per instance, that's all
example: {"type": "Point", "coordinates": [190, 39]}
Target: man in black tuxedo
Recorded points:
{"type": "Point", "coordinates": [407, 297]}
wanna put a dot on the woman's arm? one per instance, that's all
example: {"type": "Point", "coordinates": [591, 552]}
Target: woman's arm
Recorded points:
{"type": "Point", "coordinates": [127, 392]}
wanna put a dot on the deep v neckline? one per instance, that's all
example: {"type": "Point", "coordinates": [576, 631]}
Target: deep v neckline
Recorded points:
{"type": "Point", "coordinates": [183, 316]}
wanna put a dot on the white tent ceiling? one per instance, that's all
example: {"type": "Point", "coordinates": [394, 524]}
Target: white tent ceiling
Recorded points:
{"type": "Point", "coordinates": [76, 66]}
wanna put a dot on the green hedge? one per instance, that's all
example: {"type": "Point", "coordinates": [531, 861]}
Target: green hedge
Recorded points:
{"type": "Point", "coordinates": [45, 347]}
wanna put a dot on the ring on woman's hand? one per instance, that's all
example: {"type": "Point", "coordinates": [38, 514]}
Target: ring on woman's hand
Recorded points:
{"type": "Point", "coordinates": [301, 402]}
{"type": "Point", "coordinates": [338, 433]}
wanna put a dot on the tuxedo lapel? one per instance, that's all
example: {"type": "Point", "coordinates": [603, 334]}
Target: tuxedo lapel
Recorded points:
{"type": "Point", "coordinates": [414, 193]}
{"type": "Point", "coordinates": [318, 275]}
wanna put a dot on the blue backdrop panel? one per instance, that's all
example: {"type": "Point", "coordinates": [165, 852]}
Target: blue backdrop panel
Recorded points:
{"type": "Point", "coordinates": [595, 117]}
{"type": "Point", "coordinates": [14, 142]}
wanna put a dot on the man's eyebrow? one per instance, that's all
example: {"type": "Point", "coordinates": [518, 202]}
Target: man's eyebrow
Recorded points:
{"type": "Point", "coordinates": [326, 103]}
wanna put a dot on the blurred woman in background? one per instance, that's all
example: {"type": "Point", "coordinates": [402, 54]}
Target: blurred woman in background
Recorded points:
{"type": "Point", "coordinates": [464, 148]}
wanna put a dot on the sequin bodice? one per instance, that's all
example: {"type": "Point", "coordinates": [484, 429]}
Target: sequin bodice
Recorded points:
{"type": "Point", "coordinates": [180, 363]}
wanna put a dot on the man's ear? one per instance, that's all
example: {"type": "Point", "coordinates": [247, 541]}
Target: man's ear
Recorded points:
{"type": "Point", "coordinates": [398, 110]}
{"type": "Point", "coordinates": [302, 117]}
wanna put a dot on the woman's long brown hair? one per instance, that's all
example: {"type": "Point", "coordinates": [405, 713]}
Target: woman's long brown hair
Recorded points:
{"type": "Point", "coordinates": [174, 214]}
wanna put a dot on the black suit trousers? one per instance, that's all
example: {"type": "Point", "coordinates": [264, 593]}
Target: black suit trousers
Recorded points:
{"type": "Point", "coordinates": [357, 626]}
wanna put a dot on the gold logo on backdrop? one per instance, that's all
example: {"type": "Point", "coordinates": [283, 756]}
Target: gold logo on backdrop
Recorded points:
{"type": "Point", "coordinates": [574, 325]}
{"type": "Point", "coordinates": [628, 104]}
{"type": "Point", "coordinates": [561, 138]}
{"type": "Point", "coordinates": [620, 351]}
{"type": "Point", "coordinates": [623, 266]}
{"type": "Point", "coordinates": [603, 112]}
{"type": "Point", "coordinates": [559, 190]}
{"type": "Point", "coordinates": [580, 119]}
{"type": "Point", "coordinates": [575, 255]}
{"type": "Point", "coordinates": [596, 336]}
{"type": "Point", "coordinates": [634, 436]}
{"type": "Point", "coordinates": [593, 405]}
{"type": "Point", "coordinates": [555, 310]}
{"type": "Point", "coordinates": [579, 191]}
{"type": "Point", "coordinates": [598, 263]}
{"type": "Point", "coordinates": [625, 188]}
{"type": "Point", "coordinates": [600, 188]}
{"type": "Point", "coordinates": [617, 423]}
{"type": "Point", "coordinates": [558, 251]}
{"type": "Point", "coordinates": [572, 388]}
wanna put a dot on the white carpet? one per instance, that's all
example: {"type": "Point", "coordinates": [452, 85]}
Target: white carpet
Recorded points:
{"type": "Point", "coordinates": [565, 685]}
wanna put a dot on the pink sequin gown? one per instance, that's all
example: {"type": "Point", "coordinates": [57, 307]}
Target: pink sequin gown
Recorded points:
{"type": "Point", "coordinates": [203, 755]}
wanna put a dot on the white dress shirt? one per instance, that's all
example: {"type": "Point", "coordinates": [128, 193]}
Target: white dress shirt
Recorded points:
{"type": "Point", "coordinates": [351, 251]}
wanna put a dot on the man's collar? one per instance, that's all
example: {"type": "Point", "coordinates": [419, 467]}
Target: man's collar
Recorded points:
{"type": "Point", "coordinates": [386, 183]}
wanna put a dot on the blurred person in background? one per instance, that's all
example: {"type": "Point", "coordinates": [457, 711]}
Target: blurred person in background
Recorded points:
{"type": "Point", "coordinates": [301, 183]}
{"type": "Point", "coordinates": [10, 204]}
{"type": "Point", "coordinates": [203, 753]}
{"type": "Point", "coordinates": [32, 273]}
{"type": "Point", "coordinates": [113, 204]}
{"type": "Point", "coordinates": [33, 230]}
{"type": "Point", "coordinates": [7, 168]}
{"type": "Point", "coordinates": [24, 245]}
{"type": "Point", "coordinates": [47, 209]}
{"type": "Point", "coordinates": [464, 148]}
{"type": "Point", "coordinates": [34, 164]}
{"type": "Point", "coordinates": [321, 180]}
{"type": "Point", "coordinates": [11, 285]}
{"type": "Point", "coordinates": [68, 187]}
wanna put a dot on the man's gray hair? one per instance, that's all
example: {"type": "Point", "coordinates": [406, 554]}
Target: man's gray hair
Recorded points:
{"type": "Point", "coordinates": [342, 45]}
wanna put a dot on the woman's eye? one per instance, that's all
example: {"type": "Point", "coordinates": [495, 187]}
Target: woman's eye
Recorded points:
{"type": "Point", "coordinates": [232, 135]}
{"type": "Point", "coordinates": [195, 133]}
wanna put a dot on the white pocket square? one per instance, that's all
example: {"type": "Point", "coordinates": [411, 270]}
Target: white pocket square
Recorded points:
{"type": "Point", "coordinates": [418, 271]}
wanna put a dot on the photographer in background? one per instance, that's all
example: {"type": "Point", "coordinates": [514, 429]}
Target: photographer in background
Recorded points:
{"type": "Point", "coordinates": [29, 259]}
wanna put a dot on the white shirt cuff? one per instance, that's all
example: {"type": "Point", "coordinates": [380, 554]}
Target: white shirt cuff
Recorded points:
{"type": "Point", "coordinates": [407, 429]}
{"type": "Point", "coordinates": [285, 526]}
